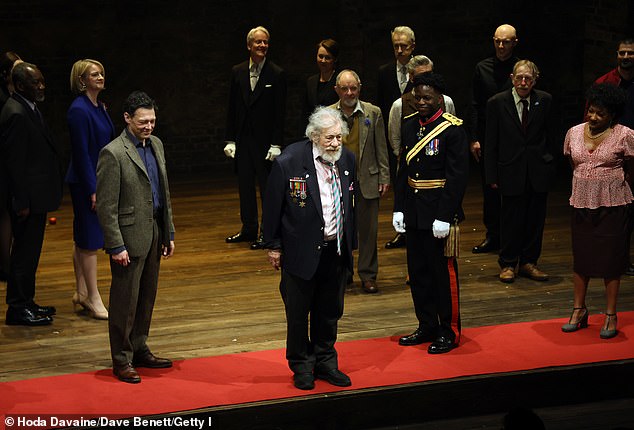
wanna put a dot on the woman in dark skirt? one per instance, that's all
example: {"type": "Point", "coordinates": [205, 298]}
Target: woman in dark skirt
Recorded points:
{"type": "Point", "coordinates": [598, 150]}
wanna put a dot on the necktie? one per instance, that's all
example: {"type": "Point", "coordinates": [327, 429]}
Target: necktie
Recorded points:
{"type": "Point", "coordinates": [254, 75]}
{"type": "Point", "coordinates": [38, 114]}
{"type": "Point", "coordinates": [524, 114]}
{"type": "Point", "coordinates": [336, 201]}
{"type": "Point", "coordinates": [403, 78]}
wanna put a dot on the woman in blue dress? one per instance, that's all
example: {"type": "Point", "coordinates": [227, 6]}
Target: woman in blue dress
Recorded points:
{"type": "Point", "coordinates": [90, 129]}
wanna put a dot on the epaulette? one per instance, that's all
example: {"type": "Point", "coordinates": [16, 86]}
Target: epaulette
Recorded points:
{"type": "Point", "coordinates": [410, 115]}
{"type": "Point", "coordinates": [452, 119]}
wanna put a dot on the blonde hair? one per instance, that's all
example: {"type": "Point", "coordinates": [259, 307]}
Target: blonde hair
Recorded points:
{"type": "Point", "coordinates": [78, 70]}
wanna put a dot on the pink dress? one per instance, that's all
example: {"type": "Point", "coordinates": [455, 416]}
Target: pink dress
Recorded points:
{"type": "Point", "coordinates": [598, 178]}
{"type": "Point", "coordinates": [600, 196]}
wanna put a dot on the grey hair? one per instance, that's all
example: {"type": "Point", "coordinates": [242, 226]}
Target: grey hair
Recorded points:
{"type": "Point", "coordinates": [417, 61]}
{"type": "Point", "coordinates": [251, 34]}
{"type": "Point", "coordinates": [323, 118]}
{"type": "Point", "coordinates": [403, 29]}
{"type": "Point", "coordinates": [354, 74]}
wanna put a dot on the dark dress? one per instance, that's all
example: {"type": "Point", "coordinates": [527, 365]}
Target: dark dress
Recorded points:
{"type": "Point", "coordinates": [90, 129]}
{"type": "Point", "coordinates": [317, 94]}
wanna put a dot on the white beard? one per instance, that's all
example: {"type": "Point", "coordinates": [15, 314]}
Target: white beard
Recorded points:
{"type": "Point", "coordinates": [331, 156]}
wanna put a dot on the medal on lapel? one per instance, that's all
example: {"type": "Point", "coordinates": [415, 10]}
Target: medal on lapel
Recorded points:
{"type": "Point", "coordinates": [297, 192]}
{"type": "Point", "coordinates": [432, 147]}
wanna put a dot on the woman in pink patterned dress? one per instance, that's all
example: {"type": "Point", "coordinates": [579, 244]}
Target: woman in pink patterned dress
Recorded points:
{"type": "Point", "coordinates": [598, 150]}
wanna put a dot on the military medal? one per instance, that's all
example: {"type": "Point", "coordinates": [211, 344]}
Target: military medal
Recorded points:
{"type": "Point", "coordinates": [432, 147]}
{"type": "Point", "coordinates": [421, 132]}
{"type": "Point", "coordinates": [297, 186]}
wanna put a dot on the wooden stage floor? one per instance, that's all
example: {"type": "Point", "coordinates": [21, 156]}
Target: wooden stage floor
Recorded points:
{"type": "Point", "coordinates": [216, 298]}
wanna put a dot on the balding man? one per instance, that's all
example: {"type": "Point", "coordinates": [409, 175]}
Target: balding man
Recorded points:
{"type": "Point", "coordinates": [367, 141]}
{"type": "Point", "coordinates": [491, 76]}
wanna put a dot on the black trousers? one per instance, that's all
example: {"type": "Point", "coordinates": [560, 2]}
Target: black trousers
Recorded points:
{"type": "Point", "coordinates": [252, 168]}
{"type": "Point", "coordinates": [433, 280]}
{"type": "Point", "coordinates": [321, 299]}
{"type": "Point", "coordinates": [28, 236]}
{"type": "Point", "coordinates": [522, 228]}
{"type": "Point", "coordinates": [491, 204]}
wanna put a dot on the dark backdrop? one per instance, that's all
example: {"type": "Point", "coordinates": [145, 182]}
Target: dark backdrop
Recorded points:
{"type": "Point", "coordinates": [181, 52]}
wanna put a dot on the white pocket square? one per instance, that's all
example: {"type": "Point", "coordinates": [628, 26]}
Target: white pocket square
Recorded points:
{"type": "Point", "coordinates": [268, 86]}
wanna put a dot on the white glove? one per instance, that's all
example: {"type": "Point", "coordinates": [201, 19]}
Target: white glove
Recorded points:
{"type": "Point", "coordinates": [398, 222]}
{"type": "Point", "coordinates": [274, 151]}
{"type": "Point", "coordinates": [440, 229]}
{"type": "Point", "coordinates": [230, 149]}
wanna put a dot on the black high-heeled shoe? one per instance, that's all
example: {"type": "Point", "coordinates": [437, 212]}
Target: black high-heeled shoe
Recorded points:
{"type": "Point", "coordinates": [608, 333]}
{"type": "Point", "coordinates": [581, 323]}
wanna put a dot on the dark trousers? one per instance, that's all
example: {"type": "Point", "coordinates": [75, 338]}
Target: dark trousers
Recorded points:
{"type": "Point", "coordinates": [132, 296]}
{"type": "Point", "coordinates": [433, 280]}
{"type": "Point", "coordinates": [491, 204]}
{"type": "Point", "coordinates": [252, 168]}
{"type": "Point", "coordinates": [522, 228]}
{"type": "Point", "coordinates": [322, 298]}
{"type": "Point", "coordinates": [28, 236]}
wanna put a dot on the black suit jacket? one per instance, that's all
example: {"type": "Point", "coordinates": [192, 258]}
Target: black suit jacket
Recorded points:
{"type": "Point", "coordinates": [295, 225]}
{"type": "Point", "coordinates": [387, 87]}
{"type": "Point", "coordinates": [260, 112]}
{"type": "Point", "coordinates": [450, 162]}
{"type": "Point", "coordinates": [31, 159]}
{"type": "Point", "coordinates": [513, 157]}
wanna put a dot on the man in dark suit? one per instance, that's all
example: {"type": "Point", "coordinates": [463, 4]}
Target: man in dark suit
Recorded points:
{"type": "Point", "coordinates": [255, 128]}
{"type": "Point", "coordinates": [135, 213]}
{"type": "Point", "coordinates": [490, 77]}
{"type": "Point", "coordinates": [393, 79]}
{"type": "Point", "coordinates": [31, 159]}
{"type": "Point", "coordinates": [519, 163]}
{"type": "Point", "coordinates": [309, 231]}
{"type": "Point", "coordinates": [431, 181]}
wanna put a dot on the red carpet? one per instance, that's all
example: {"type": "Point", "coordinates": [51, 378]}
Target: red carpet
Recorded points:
{"type": "Point", "coordinates": [254, 376]}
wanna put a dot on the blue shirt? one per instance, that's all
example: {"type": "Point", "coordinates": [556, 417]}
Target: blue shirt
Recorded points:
{"type": "Point", "coordinates": [149, 159]}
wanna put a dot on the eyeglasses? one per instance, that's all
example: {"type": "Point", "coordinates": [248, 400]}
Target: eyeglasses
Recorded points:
{"type": "Point", "coordinates": [505, 42]}
{"type": "Point", "coordinates": [330, 137]}
{"type": "Point", "coordinates": [346, 89]}
{"type": "Point", "coordinates": [623, 53]}
{"type": "Point", "coordinates": [520, 78]}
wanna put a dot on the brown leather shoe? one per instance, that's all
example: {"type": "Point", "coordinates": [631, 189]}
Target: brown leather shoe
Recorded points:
{"type": "Point", "coordinates": [507, 274]}
{"type": "Point", "coordinates": [531, 271]}
{"type": "Point", "coordinates": [152, 361]}
{"type": "Point", "coordinates": [369, 287]}
{"type": "Point", "coordinates": [127, 374]}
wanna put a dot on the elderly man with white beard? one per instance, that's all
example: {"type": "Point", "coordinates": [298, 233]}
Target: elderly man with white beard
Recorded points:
{"type": "Point", "coordinates": [309, 231]}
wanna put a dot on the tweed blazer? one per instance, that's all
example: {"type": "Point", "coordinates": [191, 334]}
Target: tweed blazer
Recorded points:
{"type": "Point", "coordinates": [373, 167]}
{"type": "Point", "coordinates": [124, 197]}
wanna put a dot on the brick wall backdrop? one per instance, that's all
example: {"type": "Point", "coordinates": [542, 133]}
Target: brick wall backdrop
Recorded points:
{"type": "Point", "coordinates": [181, 53]}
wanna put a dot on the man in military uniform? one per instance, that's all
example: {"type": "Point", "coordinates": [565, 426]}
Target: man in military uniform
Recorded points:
{"type": "Point", "coordinates": [430, 184]}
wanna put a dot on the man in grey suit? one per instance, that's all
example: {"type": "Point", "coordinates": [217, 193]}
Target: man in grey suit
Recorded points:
{"type": "Point", "coordinates": [367, 141]}
{"type": "Point", "coordinates": [135, 213]}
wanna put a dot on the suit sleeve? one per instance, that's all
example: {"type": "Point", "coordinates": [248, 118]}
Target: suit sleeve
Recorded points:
{"type": "Point", "coordinates": [273, 207]}
{"type": "Point", "coordinates": [80, 130]}
{"type": "Point", "coordinates": [492, 143]}
{"type": "Point", "coordinates": [381, 150]}
{"type": "Point", "coordinates": [280, 109]}
{"type": "Point", "coordinates": [230, 130]}
{"type": "Point", "coordinates": [15, 134]}
{"type": "Point", "coordinates": [108, 190]}
{"type": "Point", "coordinates": [456, 175]}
